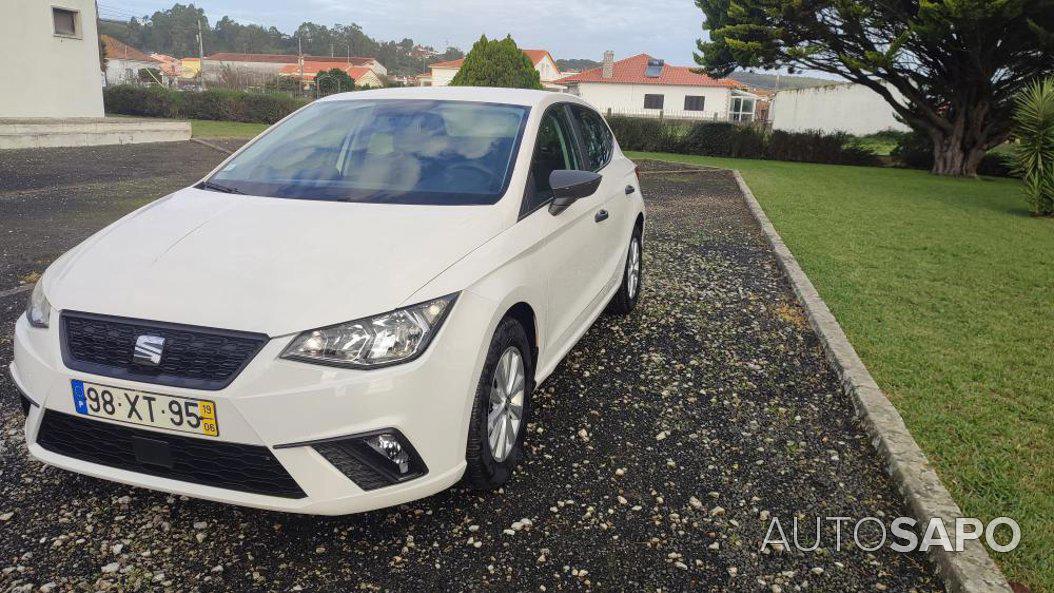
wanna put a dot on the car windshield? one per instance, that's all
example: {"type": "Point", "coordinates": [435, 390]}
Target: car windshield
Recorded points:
{"type": "Point", "coordinates": [392, 151]}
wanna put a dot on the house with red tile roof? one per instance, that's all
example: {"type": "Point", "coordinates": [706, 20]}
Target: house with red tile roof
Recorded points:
{"type": "Point", "coordinates": [260, 68]}
{"type": "Point", "coordinates": [363, 76]}
{"type": "Point", "coordinates": [443, 72]}
{"type": "Point", "coordinates": [123, 62]}
{"type": "Point", "coordinates": [644, 85]}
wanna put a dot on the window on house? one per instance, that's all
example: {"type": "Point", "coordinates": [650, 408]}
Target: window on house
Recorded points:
{"type": "Point", "coordinates": [65, 21]}
{"type": "Point", "coordinates": [653, 101]}
{"type": "Point", "coordinates": [693, 102]}
{"type": "Point", "coordinates": [742, 109]}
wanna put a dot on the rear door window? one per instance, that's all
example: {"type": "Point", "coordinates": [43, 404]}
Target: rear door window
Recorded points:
{"type": "Point", "coordinates": [597, 141]}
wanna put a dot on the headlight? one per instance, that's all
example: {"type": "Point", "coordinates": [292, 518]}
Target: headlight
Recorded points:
{"type": "Point", "coordinates": [38, 310]}
{"type": "Point", "coordinates": [381, 340]}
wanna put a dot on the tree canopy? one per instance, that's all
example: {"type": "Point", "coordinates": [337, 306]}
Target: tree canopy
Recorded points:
{"type": "Point", "coordinates": [949, 68]}
{"type": "Point", "coordinates": [498, 63]}
{"type": "Point", "coordinates": [333, 81]}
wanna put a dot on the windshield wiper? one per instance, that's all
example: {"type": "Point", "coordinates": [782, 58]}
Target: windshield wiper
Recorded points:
{"type": "Point", "coordinates": [219, 187]}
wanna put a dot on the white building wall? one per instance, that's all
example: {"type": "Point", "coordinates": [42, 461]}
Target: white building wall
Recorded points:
{"type": "Point", "coordinates": [126, 71]}
{"type": "Point", "coordinates": [851, 108]}
{"type": "Point", "coordinates": [212, 70]}
{"type": "Point", "coordinates": [49, 75]}
{"type": "Point", "coordinates": [629, 99]}
{"type": "Point", "coordinates": [443, 76]}
{"type": "Point", "coordinates": [547, 70]}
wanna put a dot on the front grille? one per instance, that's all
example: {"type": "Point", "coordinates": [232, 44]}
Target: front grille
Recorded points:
{"type": "Point", "coordinates": [245, 468]}
{"type": "Point", "coordinates": [192, 357]}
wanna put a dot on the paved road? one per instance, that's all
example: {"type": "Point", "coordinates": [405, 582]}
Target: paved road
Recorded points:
{"type": "Point", "coordinates": [657, 450]}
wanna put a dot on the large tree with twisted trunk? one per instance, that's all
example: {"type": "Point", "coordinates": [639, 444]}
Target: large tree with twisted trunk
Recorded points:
{"type": "Point", "coordinates": [949, 68]}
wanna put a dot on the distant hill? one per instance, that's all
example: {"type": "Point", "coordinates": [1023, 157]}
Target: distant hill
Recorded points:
{"type": "Point", "coordinates": [576, 64]}
{"type": "Point", "coordinates": [785, 81]}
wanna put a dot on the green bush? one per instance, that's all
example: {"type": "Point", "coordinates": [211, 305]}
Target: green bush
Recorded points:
{"type": "Point", "coordinates": [143, 101]}
{"type": "Point", "coordinates": [726, 139]}
{"type": "Point", "coordinates": [818, 147]}
{"type": "Point", "coordinates": [647, 134]}
{"type": "Point", "coordinates": [217, 104]}
{"type": "Point", "coordinates": [1032, 153]}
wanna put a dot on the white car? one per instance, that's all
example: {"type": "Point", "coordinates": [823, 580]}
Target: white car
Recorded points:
{"type": "Point", "coordinates": [351, 312]}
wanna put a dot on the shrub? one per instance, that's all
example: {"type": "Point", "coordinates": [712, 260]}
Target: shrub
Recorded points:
{"type": "Point", "coordinates": [145, 101]}
{"type": "Point", "coordinates": [1032, 155]}
{"type": "Point", "coordinates": [217, 104]}
{"type": "Point", "coordinates": [819, 147]}
{"type": "Point", "coordinates": [647, 134]}
{"type": "Point", "coordinates": [723, 139]}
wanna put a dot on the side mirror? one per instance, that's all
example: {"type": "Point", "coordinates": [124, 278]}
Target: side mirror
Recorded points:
{"type": "Point", "coordinates": [569, 185]}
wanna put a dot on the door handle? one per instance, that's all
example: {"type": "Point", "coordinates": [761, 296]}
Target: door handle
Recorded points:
{"type": "Point", "coordinates": [601, 216]}
{"type": "Point", "coordinates": [629, 189]}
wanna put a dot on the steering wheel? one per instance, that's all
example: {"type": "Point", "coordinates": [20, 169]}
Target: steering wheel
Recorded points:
{"type": "Point", "coordinates": [472, 171]}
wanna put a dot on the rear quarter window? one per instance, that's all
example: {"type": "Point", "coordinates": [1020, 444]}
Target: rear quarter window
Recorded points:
{"type": "Point", "coordinates": [596, 137]}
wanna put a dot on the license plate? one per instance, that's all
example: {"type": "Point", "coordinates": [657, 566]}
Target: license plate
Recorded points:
{"type": "Point", "coordinates": [183, 414]}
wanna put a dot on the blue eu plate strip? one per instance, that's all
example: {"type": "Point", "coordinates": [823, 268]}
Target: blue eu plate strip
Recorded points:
{"type": "Point", "coordinates": [79, 401]}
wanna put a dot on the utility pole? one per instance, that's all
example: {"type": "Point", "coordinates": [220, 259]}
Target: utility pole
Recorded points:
{"type": "Point", "coordinates": [300, 59]}
{"type": "Point", "coordinates": [201, 54]}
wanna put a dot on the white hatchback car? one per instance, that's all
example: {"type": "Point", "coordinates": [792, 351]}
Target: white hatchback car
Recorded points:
{"type": "Point", "coordinates": [350, 312]}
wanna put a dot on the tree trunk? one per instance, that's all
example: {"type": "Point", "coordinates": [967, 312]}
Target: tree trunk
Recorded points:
{"type": "Point", "coordinates": [959, 151]}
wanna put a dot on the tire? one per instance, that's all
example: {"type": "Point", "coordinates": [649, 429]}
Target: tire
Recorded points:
{"type": "Point", "coordinates": [629, 292]}
{"type": "Point", "coordinates": [490, 465]}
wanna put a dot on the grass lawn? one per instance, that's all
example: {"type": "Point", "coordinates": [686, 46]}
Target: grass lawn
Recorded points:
{"type": "Point", "coordinates": [205, 128]}
{"type": "Point", "coordinates": [946, 289]}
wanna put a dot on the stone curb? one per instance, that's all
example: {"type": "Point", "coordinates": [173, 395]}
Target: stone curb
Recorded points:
{"type": "Point", "coordinates": [969, 571]}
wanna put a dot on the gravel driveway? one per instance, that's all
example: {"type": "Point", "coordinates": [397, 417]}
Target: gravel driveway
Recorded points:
{"type": "Point", "coordinates": [657, 450]}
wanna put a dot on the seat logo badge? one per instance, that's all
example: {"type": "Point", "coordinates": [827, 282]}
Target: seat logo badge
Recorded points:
{"type": "Point", "coordinates": [148, 350]}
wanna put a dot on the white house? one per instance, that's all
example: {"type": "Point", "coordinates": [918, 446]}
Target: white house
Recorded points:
{"type": "Point", "coordinates": [548, 72]}
{"type": "Point", "coordinates": [840, 107]}
{"type": "Point", "coordinates": [53, 67]}
{"type": "Point", "coordinates": [123, 62]}
{"type": "Point", "coordinates": [643, 85]}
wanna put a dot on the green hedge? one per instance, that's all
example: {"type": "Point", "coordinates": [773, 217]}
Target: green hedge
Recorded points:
{"type": "Point", "coordinates": [224, 105]}
{"type": "Point", "coordinates": [741, 141]}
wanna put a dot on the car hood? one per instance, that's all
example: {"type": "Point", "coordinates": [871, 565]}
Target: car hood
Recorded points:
{"type": "Point", "coordinates": [269, 265]}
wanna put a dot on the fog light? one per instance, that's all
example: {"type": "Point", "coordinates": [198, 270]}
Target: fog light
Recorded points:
{"type": "Point", "coordinates": [389, 447]}
{"type": "Point", "coordinates": [372, 460]}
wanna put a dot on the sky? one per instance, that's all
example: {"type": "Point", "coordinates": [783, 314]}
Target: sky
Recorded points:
{"type": "Point", "coordinates": [665, 29]}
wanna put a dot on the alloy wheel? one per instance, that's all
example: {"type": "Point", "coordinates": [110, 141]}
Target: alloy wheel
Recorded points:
{"type": "Point", "coordinates": [507, 394]}
{"type": "Point", "coordinates": [633, 268]}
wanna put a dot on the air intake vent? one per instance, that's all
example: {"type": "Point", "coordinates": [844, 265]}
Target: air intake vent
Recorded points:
{"type": "Point", "coordinates": [654, 69]}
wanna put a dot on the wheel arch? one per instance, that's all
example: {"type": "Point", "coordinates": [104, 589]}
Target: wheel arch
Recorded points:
{"type": "Point", "coordinates": [524, 314]}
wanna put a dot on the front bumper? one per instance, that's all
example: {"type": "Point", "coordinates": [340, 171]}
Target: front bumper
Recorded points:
{"type": "Point", "coordinates": [275, 403]}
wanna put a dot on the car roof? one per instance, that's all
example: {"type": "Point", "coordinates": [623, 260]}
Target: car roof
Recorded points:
{"type": "Point", "coordinates": [527, 97]}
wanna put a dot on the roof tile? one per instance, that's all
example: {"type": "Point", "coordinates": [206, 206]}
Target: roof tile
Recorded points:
{"type": "Point", "coordinates": [631, 71]}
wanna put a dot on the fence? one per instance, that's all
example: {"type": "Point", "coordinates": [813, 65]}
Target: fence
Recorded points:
{"type": "Point", "coordinates": [688, 117]}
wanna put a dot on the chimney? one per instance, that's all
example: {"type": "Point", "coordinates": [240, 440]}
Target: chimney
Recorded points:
{"type": "Point", "coordinates": [609, 64]}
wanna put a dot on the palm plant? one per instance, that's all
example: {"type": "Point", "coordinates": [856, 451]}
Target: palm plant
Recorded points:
{"type": "Point", "coordinates": [1032, 155]}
